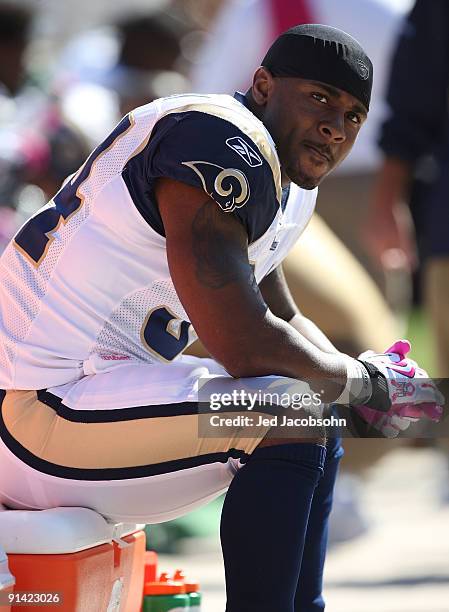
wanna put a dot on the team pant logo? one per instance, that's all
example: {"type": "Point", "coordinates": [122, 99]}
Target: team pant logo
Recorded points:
{"type": "Point", "coordinates": [229, 187]}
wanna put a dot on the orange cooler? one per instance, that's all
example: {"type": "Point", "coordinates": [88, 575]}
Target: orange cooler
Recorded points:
{"type": "Point", "coordinates": [150, 560]}
{"type": "Point", "coordinates": [94, 565]}
{"type": "Point", "coordinates": [6, 582]}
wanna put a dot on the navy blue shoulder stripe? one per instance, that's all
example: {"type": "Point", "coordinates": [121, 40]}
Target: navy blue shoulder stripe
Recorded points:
{"type": "Point", "coordinates": [211, 153]}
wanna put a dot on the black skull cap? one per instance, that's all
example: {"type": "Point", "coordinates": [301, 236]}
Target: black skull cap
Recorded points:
{"type": "Point", "coordinates": [321, 53]}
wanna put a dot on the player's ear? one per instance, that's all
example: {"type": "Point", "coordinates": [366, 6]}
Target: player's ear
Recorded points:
{"type": "Point", "coordinates": [263, 84]}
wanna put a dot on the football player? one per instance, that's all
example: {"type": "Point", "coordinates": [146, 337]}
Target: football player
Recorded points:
{"type": "Point", "coordinates": [176, 226]}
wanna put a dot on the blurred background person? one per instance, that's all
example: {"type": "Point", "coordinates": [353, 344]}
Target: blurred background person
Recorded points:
{"type": "Point", "coordinates": [18, 96]}
{"type": "Point", "coordinates": [21, 94]}
{"type": "Point", "coordinates": [414, 141]}
{"type": "Point", "coordinates": [15, 30]}
{"type": "Point", "coordinates": [142, 63]}
{"type": "Point", "coordinates": [410, 198]}
{"type": "Point", "coordinates": [38, 147]}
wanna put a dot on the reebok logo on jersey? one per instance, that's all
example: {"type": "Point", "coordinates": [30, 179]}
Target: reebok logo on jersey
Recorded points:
{"type": "Point", "coordinates": [245, 151]}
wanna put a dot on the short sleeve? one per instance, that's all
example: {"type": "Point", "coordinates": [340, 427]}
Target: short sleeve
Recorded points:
{"type": "Point", "coordinates": [211, 153]}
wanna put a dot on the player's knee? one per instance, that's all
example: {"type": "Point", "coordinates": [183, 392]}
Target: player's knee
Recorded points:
{"type": "Point", "coordinates": [276, 441]}
{"type": "Point", "coordinates": [283, 434]}
{"type": "Point", "coordinates": [275, 438]}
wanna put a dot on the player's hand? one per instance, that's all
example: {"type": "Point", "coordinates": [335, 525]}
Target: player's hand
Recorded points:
{"type": "Point", "coordinates": [393, 244]}
{"type": "Point", "coordinates": [412, 393]}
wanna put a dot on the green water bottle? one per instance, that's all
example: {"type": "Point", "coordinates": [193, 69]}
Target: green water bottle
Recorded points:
{"type": "Point", "coordinates": [192, 590]}
{"type": "Point", "coordinates": [194, 601]}
{"type": "Point", "coordinates": [165, 596]}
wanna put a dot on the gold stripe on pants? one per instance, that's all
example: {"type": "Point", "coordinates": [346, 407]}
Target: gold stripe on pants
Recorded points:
{"type": "Point", "coordinates": [118, 444]}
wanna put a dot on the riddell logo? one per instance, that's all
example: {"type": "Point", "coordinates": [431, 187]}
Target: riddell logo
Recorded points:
{"type": "Point", "coordinates": [245, 151]}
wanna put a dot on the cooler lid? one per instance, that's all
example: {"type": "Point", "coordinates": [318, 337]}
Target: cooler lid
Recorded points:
{"type": "Point", "coordinates": [57, 530]}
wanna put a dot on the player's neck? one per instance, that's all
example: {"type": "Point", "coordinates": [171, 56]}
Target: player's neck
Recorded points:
{"type": "Point", "coordinates": [252, 106]}
{"type": "Point", "coordinates": [259, 113]}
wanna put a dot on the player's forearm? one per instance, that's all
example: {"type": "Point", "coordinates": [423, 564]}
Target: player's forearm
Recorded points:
{"type": "Point", "coordinates": [277, 295]}
{"type": "Point", "coordinates": [392, 183]}
{"type": "Point", "coordinates": [313, 333]}
{"type": "Point", "coordinates": [281, 350]}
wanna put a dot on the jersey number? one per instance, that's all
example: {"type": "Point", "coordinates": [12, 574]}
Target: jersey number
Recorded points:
{"type": "Point", "coordinates": [36, 236]}
{"type": "Point", "coordinates": [160, 333]}
{"type": "Point", "coordinates": [164, 334]}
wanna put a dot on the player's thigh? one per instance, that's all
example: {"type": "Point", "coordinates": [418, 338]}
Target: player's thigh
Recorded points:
{"type": "Point", "coordinates": [106, 443]}
{"type": "Point", "coordinates": [148, 499]}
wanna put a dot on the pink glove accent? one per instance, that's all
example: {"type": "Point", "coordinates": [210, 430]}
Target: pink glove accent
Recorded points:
{"type": "Point", "coordinates": [429, 411]}
{"type": "Point", "coordinates": [400, 348]}
{"type": "Point", "coordinates": [397, 354]}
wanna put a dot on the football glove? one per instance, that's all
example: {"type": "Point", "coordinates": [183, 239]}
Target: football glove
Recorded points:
{"type": "Point", "coordinates": [402, 391]}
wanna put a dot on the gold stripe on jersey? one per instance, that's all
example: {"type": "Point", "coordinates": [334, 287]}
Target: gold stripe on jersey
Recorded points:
{"type": "Point", "coordinates": [119, 444]}
{"type": "Point", "coordinates": [246, 124]}
{"type": "Point", "coordinates": [244, 120]}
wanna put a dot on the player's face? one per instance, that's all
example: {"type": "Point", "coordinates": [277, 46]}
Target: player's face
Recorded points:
{"type": "Point", "coordinates": [314, 126]}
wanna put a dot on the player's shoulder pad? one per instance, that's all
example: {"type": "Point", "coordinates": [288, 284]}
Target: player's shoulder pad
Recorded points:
{"type": "Point", "coordinates": [217, 144]}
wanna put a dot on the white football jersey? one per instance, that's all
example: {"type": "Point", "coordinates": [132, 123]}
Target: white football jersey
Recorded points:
{"type": "Point", "coordinates": [85, 284]}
